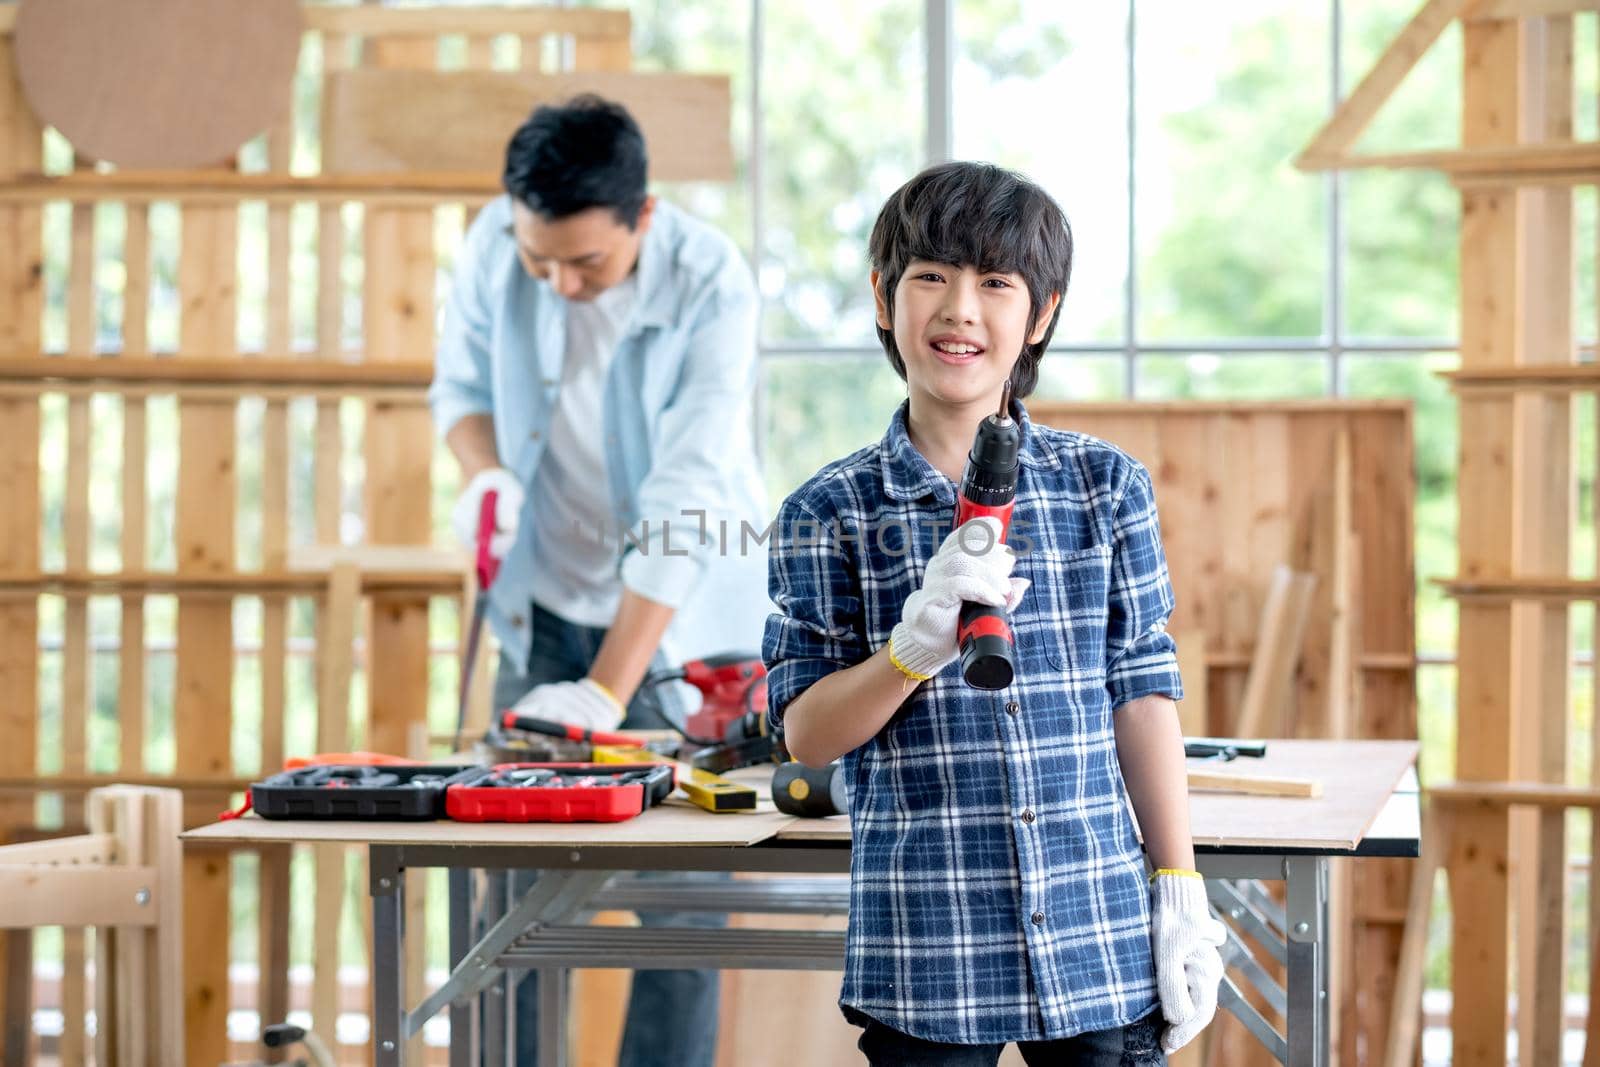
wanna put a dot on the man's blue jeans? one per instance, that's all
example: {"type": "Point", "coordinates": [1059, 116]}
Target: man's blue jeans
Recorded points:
{"type": "Point", "coordinates": [672, 1015]}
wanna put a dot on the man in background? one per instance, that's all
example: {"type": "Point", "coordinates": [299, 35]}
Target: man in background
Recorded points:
{"type": "Point", "coordinates": [597, 371]}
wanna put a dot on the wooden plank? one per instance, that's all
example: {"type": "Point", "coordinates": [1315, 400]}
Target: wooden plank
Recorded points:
{"type": "Point", "coordinates": [21, 301]}
{"type": "Point", "coordinates": [205, 545]}
{"type": "Point", "coordinates": [273, 881]}
{"type": "Point", "coordinates": [1543, 163]}
{"type": "Point", "coordinates": [335, 644]}
{"type": "Point", "coordinates": [1405, 1013]}
{"type": "Point", "coordinates": [90, 848]}
{"type": "Point", "coordinates": [1254, 784]}
{"type": "Point", "coordinates": [135, 342]}
{"type": "Point", "coordinates": [1544, 510]}
{"type": "Point", "coordinates": [382, 121]}
{"type": "Point", "coordinates": [246, 376]}
{"type": "Point", "coordinates": [206, 188]}
{"type": "Point", "coordinates": [375, 21]}
{"type": "Point", "coordinates": [1488, 656]}
{"type": "Point", "coordinates": [221, 583]}
{"type": "Point", "coordinates": [1514, 9]}
{"type": "Point", "coordinates": [614, 54]}
{"type": "Point", "coordinates": [398, 321]}
{"type": "Point", "coordinates": [57, 896]}
{"type": "Point", "coordinates": [1352, 115]}
{"type": "Point", "coordinates": [76, 691]}
{"type": "Point", "coordinates": [1264, 710]}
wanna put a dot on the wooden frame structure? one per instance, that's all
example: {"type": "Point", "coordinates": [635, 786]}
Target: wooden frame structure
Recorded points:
{"type": "Point", "coordinates": [123, 877]}
{"type": "Point", "coordinates": [1515, 170]}
{"type": "Point", "coordinates": [1244, 488]}
{"type": "Point", "coordinates": [377, 369]}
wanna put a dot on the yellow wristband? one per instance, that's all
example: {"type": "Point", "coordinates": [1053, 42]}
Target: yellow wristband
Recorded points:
{"type": "Point", "coordinates": [609, 694]}
{"type": "Point", "coordinates": [902, 668]}
{"type": "Point", "coordinates": [1179, 871]}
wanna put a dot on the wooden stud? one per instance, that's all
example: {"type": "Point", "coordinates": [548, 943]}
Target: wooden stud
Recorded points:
{"type": "Point", "coordinates": [273, 912]}
{"type": "Point", "coordinates": [203, 709]}
{"type": "Point", "coordinates": [1488, 656]}
{"type": "Point", "coordinates": [135, 342]}
{"type": "Point", "coordinates": [1265, 707]}
{"type": "Point", "coordinates": [398, 319]}
{"type": "Point", "coordinates": [1543, 512]}
{"type": "Point", "coordinates": [1405, 1013]}
{"type": "Point", "coordinates": [335, 642]}
{"type": "Point", "coordinates": [76, 686]}
{"type": "Point", "coordinates": [21, 303]}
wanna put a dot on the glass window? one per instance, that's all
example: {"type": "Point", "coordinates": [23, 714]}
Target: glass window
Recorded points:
{"type": "Point", "coordinates": [844, 127]}
{"type": "Point", "coordinates": [1232, 376]}
{"type": "Point", "coordinates": [1039, 88]}
{"type": "Point", "coordinates": [820, 408]}
{"type": "Point", "coordinates": [1231, 238]}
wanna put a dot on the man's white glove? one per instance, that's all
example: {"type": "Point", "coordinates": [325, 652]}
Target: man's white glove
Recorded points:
{"type": "Point", "coordinates": [1185, 937]}
{"type": "Point", "coordinates": [972, 564]}
{"type": "Point", "coordinates": [584, 703]}
{"type": "Point", "coordinates": [507, 510]}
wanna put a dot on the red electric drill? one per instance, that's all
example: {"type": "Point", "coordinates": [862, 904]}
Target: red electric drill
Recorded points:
{"type": "Point", "coordinates": [989, 488]}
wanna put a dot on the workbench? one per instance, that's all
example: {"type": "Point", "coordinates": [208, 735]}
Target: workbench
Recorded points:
{"type": "Point", "coordinates": [1368, 807]}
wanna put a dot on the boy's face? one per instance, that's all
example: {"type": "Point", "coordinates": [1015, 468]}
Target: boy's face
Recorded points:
{"type": "Point", "coordinates": [960, 330]}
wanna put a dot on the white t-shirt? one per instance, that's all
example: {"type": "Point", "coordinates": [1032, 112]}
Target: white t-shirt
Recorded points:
{"type": "Point", "coordinates": [575, 535]}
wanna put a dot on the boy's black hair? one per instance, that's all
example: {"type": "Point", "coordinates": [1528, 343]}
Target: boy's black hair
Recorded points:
{"type": "Point", "coordinates": [980, 215]}
{"type": "Point", "coordinates": [567, 158]}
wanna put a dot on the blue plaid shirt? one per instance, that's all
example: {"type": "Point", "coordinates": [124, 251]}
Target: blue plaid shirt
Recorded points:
{"type": "Point", "coordinates": [998, 892]}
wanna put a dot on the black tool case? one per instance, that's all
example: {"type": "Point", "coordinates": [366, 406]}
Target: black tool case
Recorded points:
{"type": "Point", "coordinates": [352, 791]}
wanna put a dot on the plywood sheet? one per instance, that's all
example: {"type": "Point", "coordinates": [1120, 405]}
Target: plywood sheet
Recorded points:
{"type": "Point", "coordinates": [1357, 779]}
{"type": "Point", "coordinates": [160, 83]}
{"type": "Point", "coordinates": [668, 825]}
{"type": "Point", "coordinates": [395, 121]}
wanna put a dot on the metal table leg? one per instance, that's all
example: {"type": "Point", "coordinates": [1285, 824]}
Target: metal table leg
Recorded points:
{"type": "Point", "coordinates": [495, 1003]}
{"type": "Point", "coordinates": [388, 936]}
{"type": "Point", "coordinates": [552, 1016]}
{"type": "Point", "coordinates": [463, 1015]}
{"type": "Point", "coordinates": [1307, 915]}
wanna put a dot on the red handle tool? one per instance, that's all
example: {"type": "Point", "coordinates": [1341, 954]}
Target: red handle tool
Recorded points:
{"type": "Point", "coordinates": [533, 725]}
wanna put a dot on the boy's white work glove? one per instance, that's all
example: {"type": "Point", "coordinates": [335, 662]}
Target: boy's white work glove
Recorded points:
{"type": "Point", "coordinates": [1185, 937]}
{"type": "Point", "coordinates": [507, 510]}
{"type": "Point", "coordinates": [585, 703]}
{"type": "Point", "coordinates": [972, 564]}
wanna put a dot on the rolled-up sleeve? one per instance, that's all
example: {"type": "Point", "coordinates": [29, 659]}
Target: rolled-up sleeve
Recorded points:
{"type": "Point", "coordinates": [461, 366]}
{"type": "Point", "coordinates": [818, 626]}
{"type": "Point", "coordinates": [690, 486]}
{"type": "Point", "coordinates": [1141, 657]}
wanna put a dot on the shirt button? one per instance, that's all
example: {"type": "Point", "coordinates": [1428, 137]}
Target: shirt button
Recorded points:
{"type": "Point", "coordinates": [534, 436]}
{"type": "Point", "coordinates": [1038, 918]}
{"type": "Point", "coordinates": [518, 621]}
{"type": "Point", "coordinates": [1012, 707]}
{"type": "Point", "coordinates": [1027, 815]}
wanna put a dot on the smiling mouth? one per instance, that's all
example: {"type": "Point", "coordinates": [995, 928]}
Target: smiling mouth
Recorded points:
{"type": "Point", "coordinates": [957, 352]}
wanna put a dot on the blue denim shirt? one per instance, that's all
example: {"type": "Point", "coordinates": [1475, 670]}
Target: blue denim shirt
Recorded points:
{"type": "Point", "coordinates": [998, 891]}
{"type": "Point", "coordinates": [680, 456]}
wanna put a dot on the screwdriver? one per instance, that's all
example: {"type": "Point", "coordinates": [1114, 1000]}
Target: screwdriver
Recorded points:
{"type": "Point", "coordinates": [534, 725]}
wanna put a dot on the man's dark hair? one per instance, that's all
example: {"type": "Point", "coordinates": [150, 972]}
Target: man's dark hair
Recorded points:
{"type": "Point", "coordinates": [567, 158]}
{"type": "Point", "coordinates": [979, 215]}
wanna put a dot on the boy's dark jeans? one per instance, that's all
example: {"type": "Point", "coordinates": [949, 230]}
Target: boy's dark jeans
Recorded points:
{"type": "Point", "coordinates": [1136, 1045]}
{"type": "Point", "coordinates": [672, 1015]}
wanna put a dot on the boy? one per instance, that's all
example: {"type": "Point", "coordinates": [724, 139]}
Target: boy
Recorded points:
{"type": "Point", "coordinates": [998, 892]}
